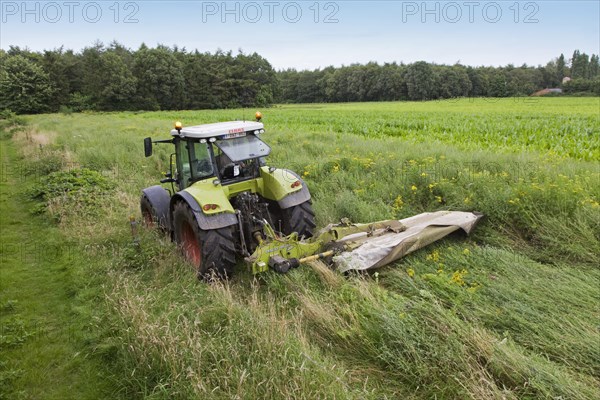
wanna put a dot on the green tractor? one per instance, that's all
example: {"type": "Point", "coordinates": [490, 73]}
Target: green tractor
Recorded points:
{"type": "Point", "coordinates": [222, 195]}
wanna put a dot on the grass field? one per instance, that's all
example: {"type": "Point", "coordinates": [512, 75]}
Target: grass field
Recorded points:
{"type": "Point", "coordinates": [511, 312]}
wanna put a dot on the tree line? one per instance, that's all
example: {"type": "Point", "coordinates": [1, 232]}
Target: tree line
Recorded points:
{"type": "Point", "coordinates": [115, 78]}
{"type": "Point", "coordinates": [426, 81]}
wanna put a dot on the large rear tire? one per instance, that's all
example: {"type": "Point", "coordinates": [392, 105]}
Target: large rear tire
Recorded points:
{"type": "Point", "coordinates": [211, 252]}
{"type": "Point", "coordinates": [299, 218]}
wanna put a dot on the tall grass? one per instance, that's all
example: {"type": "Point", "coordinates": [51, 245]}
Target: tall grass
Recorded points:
{"type": "Point", "coordinates": [510, 312]}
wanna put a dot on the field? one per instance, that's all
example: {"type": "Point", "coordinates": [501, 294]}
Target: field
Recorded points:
{"type": "Point", "coordinates": [510, 312]}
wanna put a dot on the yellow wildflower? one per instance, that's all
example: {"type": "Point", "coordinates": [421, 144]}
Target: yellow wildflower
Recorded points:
{"type": "Point", "coordinates": [458, 277]}
{"type": "Point", "coordinates": [413, 188]}
{"type": "Point", "coordinates": [410, 272]}
{"type": "Point", "coordinates": [398, 203]}
{"type": "Point", "coordinates": [434, 256]}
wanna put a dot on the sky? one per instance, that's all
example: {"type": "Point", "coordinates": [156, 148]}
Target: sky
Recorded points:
{"type": "Point", "coordinates": [315, 34]}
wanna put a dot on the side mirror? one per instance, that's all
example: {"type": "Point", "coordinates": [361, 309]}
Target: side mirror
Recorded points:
{"type": "Point", "coordinates": [148, 147]}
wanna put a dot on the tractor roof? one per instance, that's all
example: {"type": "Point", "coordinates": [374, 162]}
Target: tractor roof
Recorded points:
{"type": "Point", "coordinates": [218, 129]}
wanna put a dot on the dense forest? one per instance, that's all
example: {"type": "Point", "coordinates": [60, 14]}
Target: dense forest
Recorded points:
{"type": "Point", "coordinates": [113, 77]}
{"type": "Point", "coordinates": [425, 81]}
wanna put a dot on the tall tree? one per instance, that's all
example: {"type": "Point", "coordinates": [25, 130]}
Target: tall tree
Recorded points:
{"type": "Point", "coordinates": [24, 86]}
{"type": "Point", "coordinates": [498, 84]}
{"type": "Point", "coordinates": [453, 81]}
{"type": "Point", "coordinates": [594, 67]}
{"type": "Point", "coordinates": [421, 81]}
{"type": "Point", "coordinates": [579, 65]}
{"type": "Point", "coordinates": [561, 68]}
{"type": "Point", "coordinates": [522, 81]}
{"type": "Point", "coordinates": [92, 83]}
{"type": "Point", "coordinates": [479, 81]}
{"type": "Point", "coordinates": [160, 79]}
{"type": "Point", "coordinates": [119, 84]}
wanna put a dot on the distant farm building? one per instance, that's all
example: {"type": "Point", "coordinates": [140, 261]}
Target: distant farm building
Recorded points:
{"type": "Point", "coordinates": [545, 92]}
{"type": "Point", "coordinates": [566, 79]}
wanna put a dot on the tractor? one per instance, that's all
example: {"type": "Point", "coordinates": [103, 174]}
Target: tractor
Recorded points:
{"type": "Point", "coordinates": [222, 195]}
{"type": "Point", "coordinates": [224, 200]}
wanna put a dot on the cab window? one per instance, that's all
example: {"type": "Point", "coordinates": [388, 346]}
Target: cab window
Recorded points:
{"type": "Point", "coordinates": [193, 162]}
{"type": "Point", "coordinates": [184, 175]}
{"type": "Point", "coordinates": [200, 162]}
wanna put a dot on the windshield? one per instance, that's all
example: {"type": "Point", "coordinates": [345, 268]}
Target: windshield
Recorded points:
{"type": "Point", "coordinates": [244, 148]}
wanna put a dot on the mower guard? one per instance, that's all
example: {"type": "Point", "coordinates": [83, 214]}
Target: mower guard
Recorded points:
{"type": "Point", "coordinates": [421, 230]}
{"type": "Point", "coordinates": [359, 246]}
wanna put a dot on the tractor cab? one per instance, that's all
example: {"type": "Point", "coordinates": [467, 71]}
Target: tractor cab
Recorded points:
{"type": "Point", "coordinates": [230, 152]}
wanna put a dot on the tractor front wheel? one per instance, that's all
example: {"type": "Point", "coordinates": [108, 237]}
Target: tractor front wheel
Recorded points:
{"type": "Point", "coordinates": [299, 218]}
{"type": "Point", "coordinates": [211, 252]}
{"type": "Point", "coordinates": [148, 212]}
{"type": "Point", "coordinates": [154, 212]}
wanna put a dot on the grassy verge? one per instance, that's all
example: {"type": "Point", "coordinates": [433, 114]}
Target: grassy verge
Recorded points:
{"type": "Point", "coordinates": [511, 312]}
{"type": "Point", "coordinates": [46, 319]}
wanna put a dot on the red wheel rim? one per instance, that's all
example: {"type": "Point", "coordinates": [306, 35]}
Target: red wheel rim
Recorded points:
{"type": "Point", "coordinates": [189, 243]}
{"type": "Point", "coordinates": [148, 219]}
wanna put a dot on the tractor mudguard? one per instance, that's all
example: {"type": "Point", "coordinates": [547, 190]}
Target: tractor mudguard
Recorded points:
{"type": "Point", "coordinates": [277, 186]}
{"type": "Point", "coordinates": [159, 198]}
{"type": "Point", "coordinates": [205, 222]}
{"type": "Point", "coordinates": [207, 193]}
{"type": "Point", "coordinates": [295, 198]}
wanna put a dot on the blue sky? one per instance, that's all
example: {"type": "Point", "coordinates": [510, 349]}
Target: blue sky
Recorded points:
{"type": "Point", "coordinates": [312, 34]}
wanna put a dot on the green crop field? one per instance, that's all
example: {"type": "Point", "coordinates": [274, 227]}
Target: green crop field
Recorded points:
{"type": "Point", "coordinates": [511, 312]}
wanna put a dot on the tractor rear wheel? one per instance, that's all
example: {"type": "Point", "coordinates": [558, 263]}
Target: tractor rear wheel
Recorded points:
{"type": "Point", "coordinates": [299, 218]}
{"type": "Point", "coordinates": [211, 252]}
